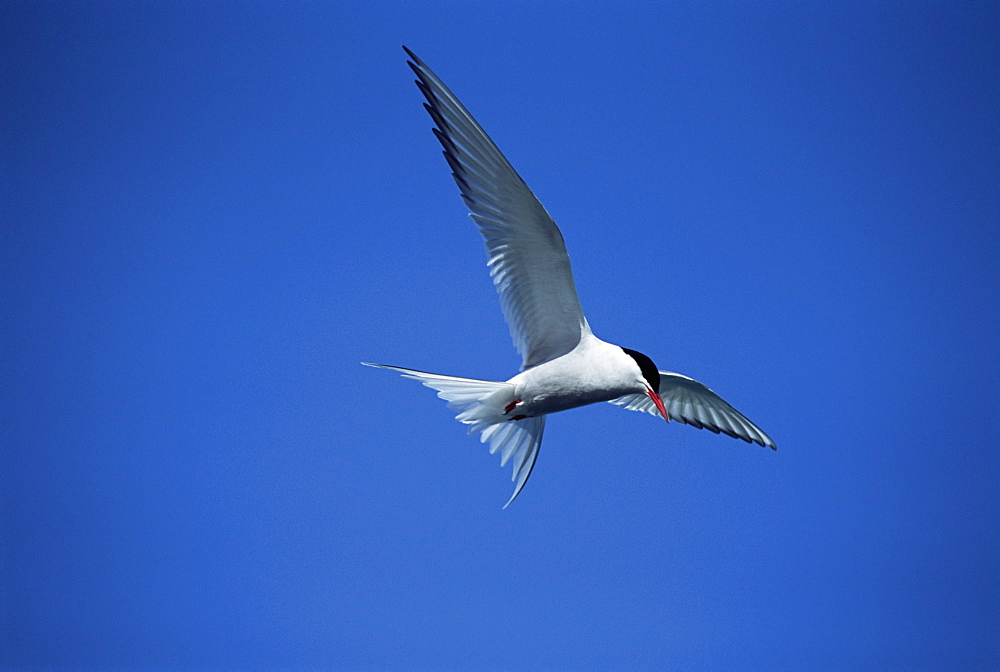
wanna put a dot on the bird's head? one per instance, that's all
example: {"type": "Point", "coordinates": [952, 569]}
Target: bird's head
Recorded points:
{"type": "Point", "coordinates": [650, 379]}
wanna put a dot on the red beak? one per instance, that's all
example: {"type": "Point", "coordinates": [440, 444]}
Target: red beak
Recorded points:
{"type": "Point", "coordinates": [659, 404]}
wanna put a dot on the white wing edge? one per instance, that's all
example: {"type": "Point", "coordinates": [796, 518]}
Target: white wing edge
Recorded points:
{"type": "Point", "coordinates": [692, 403]}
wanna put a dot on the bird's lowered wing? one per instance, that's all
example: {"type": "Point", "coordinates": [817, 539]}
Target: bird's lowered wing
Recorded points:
{"type": "Point", "coordinates": [692, 403]}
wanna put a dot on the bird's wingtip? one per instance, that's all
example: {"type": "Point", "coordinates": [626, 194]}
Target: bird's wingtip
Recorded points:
{"type": "Point", "coordinates": [767, 442]}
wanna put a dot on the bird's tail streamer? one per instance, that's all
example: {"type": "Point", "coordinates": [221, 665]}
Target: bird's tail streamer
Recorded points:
{"type": "Point", "coordinates": [480, 405]}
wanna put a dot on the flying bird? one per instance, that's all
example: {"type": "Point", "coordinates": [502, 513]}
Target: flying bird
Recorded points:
{"type": "Point", "coordinates": [564, 365]}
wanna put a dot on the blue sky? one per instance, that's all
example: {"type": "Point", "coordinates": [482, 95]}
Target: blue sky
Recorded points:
{"type": "Point", "coordinates": [213, 211]}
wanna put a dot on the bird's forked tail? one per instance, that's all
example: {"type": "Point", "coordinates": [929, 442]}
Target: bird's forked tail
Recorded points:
{"type": "Point", "coordinates": [481, 405]}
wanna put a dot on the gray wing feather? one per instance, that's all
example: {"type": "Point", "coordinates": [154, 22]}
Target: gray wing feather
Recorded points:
{"type": "Point", "coordinates": [525, 251]}
{"type": "Point", "coordinates": [692, 403]}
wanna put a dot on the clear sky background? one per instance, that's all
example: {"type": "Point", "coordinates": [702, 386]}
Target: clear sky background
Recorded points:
{"type": "Point", "coordinates": [211, 212]}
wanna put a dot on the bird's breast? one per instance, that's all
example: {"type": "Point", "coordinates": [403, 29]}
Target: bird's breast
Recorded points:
{"type": "Point", "coordinates": [558, 386]}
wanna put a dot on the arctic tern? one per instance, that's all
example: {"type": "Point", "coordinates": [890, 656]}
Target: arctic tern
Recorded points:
{"type": "Point", "coordinates": [563, 365]}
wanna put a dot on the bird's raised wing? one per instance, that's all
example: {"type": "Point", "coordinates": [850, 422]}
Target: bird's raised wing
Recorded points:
{"type": "Point", "coordinates": [525, 251]}
{"type": "Point", "coordinates": [692, 403]}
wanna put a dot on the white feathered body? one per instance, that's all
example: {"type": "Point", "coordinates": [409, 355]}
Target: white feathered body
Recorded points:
{"type": "Point", "coordinates": [592, 372]}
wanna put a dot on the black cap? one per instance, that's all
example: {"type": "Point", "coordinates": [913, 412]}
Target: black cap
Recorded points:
{"type": "Point", "coordinates": [649, 370]}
